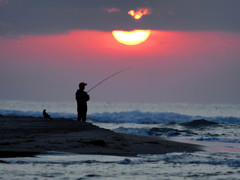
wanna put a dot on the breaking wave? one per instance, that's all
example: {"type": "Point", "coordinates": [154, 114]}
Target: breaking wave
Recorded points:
{"type": "Point", "coordinates": [137, 117]}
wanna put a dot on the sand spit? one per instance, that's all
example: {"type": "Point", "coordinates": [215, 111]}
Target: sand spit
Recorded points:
{"type": "Point", "coordinates": [28, 136]}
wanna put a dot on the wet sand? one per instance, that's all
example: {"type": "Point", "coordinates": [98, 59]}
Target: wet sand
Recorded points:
{"type": "Point", "coordinates": [28, 136]}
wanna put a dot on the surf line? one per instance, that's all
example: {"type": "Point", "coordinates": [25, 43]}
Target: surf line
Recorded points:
{"type": "Point", "coordinates": [114, 74]}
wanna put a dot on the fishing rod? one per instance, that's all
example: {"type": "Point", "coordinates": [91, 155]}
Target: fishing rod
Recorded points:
{"type": "Point", "coordinates": [114, 74]}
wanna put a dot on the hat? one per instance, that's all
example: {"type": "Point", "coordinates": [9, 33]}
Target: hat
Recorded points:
{"type": "Point", "coordinates": [82, 84]}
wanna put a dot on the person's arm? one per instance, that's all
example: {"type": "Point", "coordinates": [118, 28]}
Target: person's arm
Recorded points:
{"type": "Point", "coordinates": [87, 97]}
{"type": "Point", "coordinates": [76, 95]}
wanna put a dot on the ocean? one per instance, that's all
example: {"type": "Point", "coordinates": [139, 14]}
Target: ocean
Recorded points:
{"type": "Point", "coordinates": [215, 126]}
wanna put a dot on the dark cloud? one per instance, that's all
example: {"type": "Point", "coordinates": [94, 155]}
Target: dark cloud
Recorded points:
{"type": "Point", "coordinates": [57, 16]}
{"type": "Point", "coordinates": [3, 2]}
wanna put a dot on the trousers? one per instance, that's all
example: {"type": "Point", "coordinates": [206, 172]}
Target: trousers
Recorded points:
{"type": "Point", "coordinates": [82, 115]}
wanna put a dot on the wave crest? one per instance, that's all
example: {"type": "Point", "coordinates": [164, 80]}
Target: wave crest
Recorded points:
{"type": "Point", "coordinates": [137, 117]}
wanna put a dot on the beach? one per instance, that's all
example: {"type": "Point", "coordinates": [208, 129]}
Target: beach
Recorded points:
{"type": "Point", "coordinates": [119, 141]}
{"type": "Point", "coordinates": [28, 136]}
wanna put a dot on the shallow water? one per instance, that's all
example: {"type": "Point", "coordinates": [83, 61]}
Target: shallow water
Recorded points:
{"type": "Point", "coordinates": [199, 165]}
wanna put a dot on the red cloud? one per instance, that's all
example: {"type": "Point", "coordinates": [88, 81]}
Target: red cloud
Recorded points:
{"type": "Point", "coordinates": [111, 10]}
{"type": "Point", "coordinates": [139, 12]}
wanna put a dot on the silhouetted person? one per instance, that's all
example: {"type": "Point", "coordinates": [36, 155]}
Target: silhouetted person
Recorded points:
{"type": "Point", "coordinates": [82, 97]}
{"type": "Point", "coordinates": [46, 115]}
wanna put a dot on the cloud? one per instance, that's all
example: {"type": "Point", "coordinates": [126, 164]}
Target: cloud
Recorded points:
{"type": "Point", "coordinates": [113, 10]}
{"type": "Point", "coordinates": [58, 16]}
{"type": "Point", "coordinates": [4, 24]}
{"type": "Point", "coordinates": [3, 2]}
{"type": "Point", "coordinates": [139, 12]}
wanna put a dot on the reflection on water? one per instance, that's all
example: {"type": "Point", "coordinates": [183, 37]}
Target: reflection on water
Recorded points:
{"type": "Point", "coordinates": [214, 146]}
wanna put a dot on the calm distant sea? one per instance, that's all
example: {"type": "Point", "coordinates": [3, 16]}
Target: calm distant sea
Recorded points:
{"type": "Point", "coordinates": [69, 107]}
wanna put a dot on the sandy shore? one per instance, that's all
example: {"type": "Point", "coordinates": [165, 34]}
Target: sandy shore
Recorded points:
{"type": "Point", "coordinates": [28, 136]}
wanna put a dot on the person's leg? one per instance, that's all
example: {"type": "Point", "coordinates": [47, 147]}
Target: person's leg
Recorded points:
{"type": "Point", "coordinates": [79, 114]}
{"type": "Point", "coordinates": [84, 116]}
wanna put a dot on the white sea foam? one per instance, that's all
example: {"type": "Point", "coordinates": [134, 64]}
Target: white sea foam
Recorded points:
{"type": "Point", "coordinates": [155, 118]}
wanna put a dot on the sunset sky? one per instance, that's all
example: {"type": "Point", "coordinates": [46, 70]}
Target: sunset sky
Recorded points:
{"type": "Point", "coordinates": [192, 54]}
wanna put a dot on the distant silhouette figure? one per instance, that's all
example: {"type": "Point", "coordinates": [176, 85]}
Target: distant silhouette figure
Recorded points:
{"type": "Point", "coordinates": [46, 115]}
{"type": "Point", "coordinates": [82, 97]}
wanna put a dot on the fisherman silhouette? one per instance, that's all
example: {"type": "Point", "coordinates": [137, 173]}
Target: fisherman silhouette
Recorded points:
{"type": "Point", "coordinates": [82, 97]}
{"type": "Point", "coordinates": [46, 115]}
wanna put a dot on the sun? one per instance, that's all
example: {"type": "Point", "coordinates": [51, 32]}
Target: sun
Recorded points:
{"type": "Point", "coordinates": [131, 37]}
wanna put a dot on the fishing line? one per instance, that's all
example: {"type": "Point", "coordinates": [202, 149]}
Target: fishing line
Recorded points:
{"type": "Point", "coordinates": [114, 74]}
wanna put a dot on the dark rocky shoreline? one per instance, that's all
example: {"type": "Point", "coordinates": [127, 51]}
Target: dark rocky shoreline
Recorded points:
{"type": "Point", "coordinates": [29, 136]}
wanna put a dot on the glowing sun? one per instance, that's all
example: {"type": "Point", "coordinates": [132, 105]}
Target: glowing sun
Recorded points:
{"type": "Point", "coordinates": [131, 37]}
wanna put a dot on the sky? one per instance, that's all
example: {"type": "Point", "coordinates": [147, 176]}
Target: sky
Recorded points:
{"type": "Point", "coordinates": [191, 55]}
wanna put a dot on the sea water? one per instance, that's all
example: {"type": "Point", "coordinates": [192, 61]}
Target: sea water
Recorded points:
{"type": "Point", "coordinates": [216, 126]}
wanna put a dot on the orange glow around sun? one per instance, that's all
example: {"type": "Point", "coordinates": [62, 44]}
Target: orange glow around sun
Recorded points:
{"type": "Point", "coordinates": [131, 37]}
